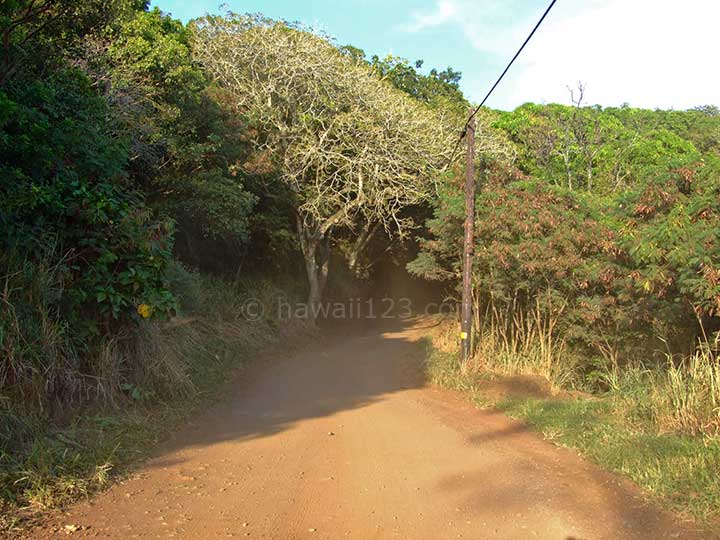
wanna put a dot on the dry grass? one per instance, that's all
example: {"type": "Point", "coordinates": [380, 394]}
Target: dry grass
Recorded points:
{"type": "Point", "coordinates": [517, 343]}
{"type": "Point", "coordinates": [682, 396]}
{"type": "Point", "coordinates": [38, 358]}
{"type": "Point", "coordinates": [693, 387]}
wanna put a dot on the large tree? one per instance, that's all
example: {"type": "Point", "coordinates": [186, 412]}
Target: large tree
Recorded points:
{"type": "Point", "coordinates": [352, 148]}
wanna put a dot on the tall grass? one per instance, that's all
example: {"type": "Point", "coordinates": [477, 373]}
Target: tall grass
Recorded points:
{"type": "Point", "coordinates": [522, 342]}
{"type": "Point", "coordinates": [680, 396]}
{"type": "Point", "coordinates": [39, 361]}
{"type": "Point", "coordinates": [693, 388]}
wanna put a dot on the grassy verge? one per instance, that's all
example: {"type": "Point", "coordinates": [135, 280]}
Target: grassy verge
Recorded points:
{"type": "Point", "coordinates": [625, 430]}
{"type": "Point", "coordinates": [46, 463]}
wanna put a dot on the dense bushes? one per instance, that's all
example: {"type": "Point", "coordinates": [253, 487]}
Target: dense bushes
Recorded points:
{"type": "Point", "coordinates": [74, 231]}
{"type": "Point", "coordinates": [620, 274]}
{"type": "Point", "coordinates": [108, 142]}
{"type": "Point", "coordinates": [190, 145]}
{"type": "Point", "coordinates": [612, 270]}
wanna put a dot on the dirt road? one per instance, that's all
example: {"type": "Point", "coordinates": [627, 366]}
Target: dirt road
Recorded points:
{"type": "Point", "coordinates": [346, 441]}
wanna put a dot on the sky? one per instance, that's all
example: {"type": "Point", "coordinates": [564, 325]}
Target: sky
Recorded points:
{"type": "Point", "coordinates": [647, 53]}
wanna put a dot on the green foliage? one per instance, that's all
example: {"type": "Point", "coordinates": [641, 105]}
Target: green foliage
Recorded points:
{"type": "Point", "coordinates": [437, 88]}
{"type": "Point", "coordinates": [671, 230]}
{"type": "Point", "coordinates": [65, 188]}
{"type": "Point", "coordinates": [607, 150]}
{"type": "Point", "coordinates": [192, 148]}
{"type": "Point", "coordinates": [110, 139]}
{"type": "Point", "coordinates": [38, 35]}
{"type": "Point", "coordinates": [619, 254]}
{"type": "Point", "coordinates": [82, 256]}
{"type": "Point", "coordinates": [154, 47]}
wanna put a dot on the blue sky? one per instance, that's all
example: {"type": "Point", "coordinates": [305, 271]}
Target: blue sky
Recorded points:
{"type": "Point", "coordinates": [648, 53]}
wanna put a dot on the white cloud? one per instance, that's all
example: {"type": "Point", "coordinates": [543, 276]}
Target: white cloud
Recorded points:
{"type": "Point", "coordinates": [649, 53]}
{"type": "Point", "coordinates": [445, 11]}
{"type": "Point", "coordinates": [471, 16]}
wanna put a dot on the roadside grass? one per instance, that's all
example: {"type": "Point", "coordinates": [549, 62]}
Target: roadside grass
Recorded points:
{"type": "Point", "coordinates": [655, 427]}
{"type": "Point", "coordinates": [681, 470]}
{"type": "Point", "coordinates": [46, 463]}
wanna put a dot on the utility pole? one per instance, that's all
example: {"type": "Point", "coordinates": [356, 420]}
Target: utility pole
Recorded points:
{"type": "Point", "coordinates": [468, 244]}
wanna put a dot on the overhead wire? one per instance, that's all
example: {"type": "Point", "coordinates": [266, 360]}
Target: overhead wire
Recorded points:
{"type": "Point", "coordinates": [497, 82]}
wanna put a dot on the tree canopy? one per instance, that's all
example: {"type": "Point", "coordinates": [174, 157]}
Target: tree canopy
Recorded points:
{"type": "Point", "coordinates": [349, 146]}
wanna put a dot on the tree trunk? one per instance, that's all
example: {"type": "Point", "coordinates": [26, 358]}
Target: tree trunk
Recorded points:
{"type": "Point", "coordinates": [317, 261]}
{"type": "Point", "coordinates": [366, 233]}
{"type": "Point", "coordinates": [569, 176]}
{"type": "Point", "coordinates": [314, 293]}
{"type": "Point", "coordinates": [324, 264]}
{"type": "Point", "coordinates": [308, 246]}
{"type": "Point", "coordinates": [315, 246]}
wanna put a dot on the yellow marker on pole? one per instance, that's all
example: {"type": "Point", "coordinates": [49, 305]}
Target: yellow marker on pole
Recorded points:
{"type": "Point", "coordinates": [463, 335]}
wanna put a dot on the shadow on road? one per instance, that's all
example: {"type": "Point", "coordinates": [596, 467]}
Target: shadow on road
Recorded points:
{"type": "Point", "coordinates": [494, 469]}
{"type": "Point", "coordinates": [347, 369]}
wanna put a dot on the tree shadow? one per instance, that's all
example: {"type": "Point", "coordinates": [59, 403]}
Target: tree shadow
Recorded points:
{"type": "Point", "coordinates": [349, 369]}
{"type": "Point", "coordinates": [551, 490]}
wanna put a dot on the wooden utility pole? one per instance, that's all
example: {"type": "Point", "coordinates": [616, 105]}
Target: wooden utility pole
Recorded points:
{"type": "Point", "coordinates": [468, 244]}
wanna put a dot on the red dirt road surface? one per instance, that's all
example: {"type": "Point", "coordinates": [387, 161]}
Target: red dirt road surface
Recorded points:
{"type": "Point", "coordinates": [345, 440]}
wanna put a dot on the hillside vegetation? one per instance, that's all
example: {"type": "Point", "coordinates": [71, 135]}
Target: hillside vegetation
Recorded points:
{"type": "Point", "coordinates": [597, 252]}
{"type": "Point", "coordinates": [157, 176]}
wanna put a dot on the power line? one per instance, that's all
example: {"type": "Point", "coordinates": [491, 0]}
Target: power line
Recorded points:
{"type": "Point", "coordinates": [500, 78]}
